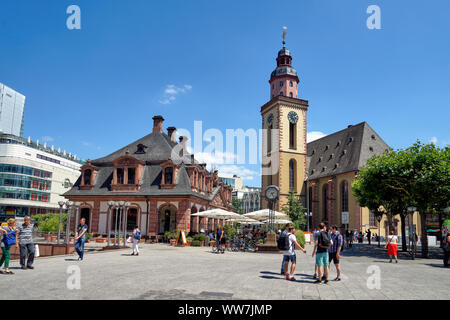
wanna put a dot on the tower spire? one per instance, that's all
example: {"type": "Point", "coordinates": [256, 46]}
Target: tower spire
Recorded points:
{"type": "Point", "coordinates": [284, 35]}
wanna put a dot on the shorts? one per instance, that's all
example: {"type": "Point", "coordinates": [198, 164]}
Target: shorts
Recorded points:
{"type": "Point", "coordinates": [333, 257]}
{"type": "Point", "coordinates": [322, 259]}
{"type": "Point", "coordinates": [292, 258]}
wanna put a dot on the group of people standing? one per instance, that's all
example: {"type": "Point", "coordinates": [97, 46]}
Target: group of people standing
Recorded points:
{"type": "Point", "coordinates": [327, 248]}
{"type": "Point", "coordinates": [22, 239]}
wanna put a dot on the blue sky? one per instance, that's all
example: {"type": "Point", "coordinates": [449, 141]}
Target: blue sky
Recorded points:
{"type": "Point", "coordinates": [94, 90]}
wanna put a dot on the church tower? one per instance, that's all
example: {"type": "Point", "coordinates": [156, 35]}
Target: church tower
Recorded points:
{"type": "Point", "coordinates": [284, 137]}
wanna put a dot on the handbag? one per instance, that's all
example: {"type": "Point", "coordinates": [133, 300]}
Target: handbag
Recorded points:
{"type": "Point", "coordinates": [9, 238]}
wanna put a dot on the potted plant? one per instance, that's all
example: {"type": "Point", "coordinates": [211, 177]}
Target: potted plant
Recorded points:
{"type": "Point", "coordinates": [196, 243]}
{"type": "Point", "coordinates": [47, 237]}
{"type": "Point", "coordinates": [189, 241]}
{"type": "Point", "coordinates": [88, 237]}
{"type": "Point", "coordinates": [100, 239]}
{"type": "Point", "coordinates": [72, 237]}
{"type": "Point", "coordinates": [53, 238]}
{"type": "Point", "coordinates": [201, 238]}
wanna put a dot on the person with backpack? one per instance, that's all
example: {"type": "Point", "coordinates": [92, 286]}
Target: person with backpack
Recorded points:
{"type": "Point", "coordinates": [136, 238]}
{"type": "Point", "coordinates": [289, 247]}
{"type": "Point", "coordinates": [335, 250]}
{"type": "Point", "coordinates": [321, 246]}
{"type": "Point", "coordinates": [284, 235]}
{"type": "Point", "coordinates": [9, 233]}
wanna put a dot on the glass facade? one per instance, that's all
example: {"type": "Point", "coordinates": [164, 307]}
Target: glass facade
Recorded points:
{"type": "Point", "coordinates": [229, 181]}
{"type": "Point", "coordinates": [24, 183]}
{"type": "Point", "coordinates": [12, 105]}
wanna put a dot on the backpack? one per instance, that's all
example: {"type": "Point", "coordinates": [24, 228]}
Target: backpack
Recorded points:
{"type": "Point", "coordinates": [9, 238]}
{"type": "Point", "coordinates": [137, 235]}
{"type": "Point", "coordinates": [324, 240]}
{"type": "Point", "coordinates": [283, 241]}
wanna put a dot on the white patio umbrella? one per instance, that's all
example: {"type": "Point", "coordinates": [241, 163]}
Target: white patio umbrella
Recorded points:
{"type": "Point", "coordinates": [264, 215]}
{"type": "Point", "coordinates": [278, 221]}
{"type": "Point", "coordinates": [215, 213]}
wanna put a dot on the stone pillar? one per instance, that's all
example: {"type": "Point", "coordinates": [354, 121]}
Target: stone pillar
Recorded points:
{"type": "Point", "coordinates": [152, 216]}
{"type": "Point", "coordinates": [330, 201]}
{"type": "Point", "coordinates": [95, 216]}
{"type": "Point", "coordinates": [196, 222]}
{"type": "Point", "coordinates": [183, 216]}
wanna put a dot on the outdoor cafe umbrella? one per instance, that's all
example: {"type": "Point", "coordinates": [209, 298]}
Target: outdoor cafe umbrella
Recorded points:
{"type": "Point", "coordinates": [278, 221]}
{"type": "Point", "coordinates": [216, 213]}
{"type": "Point", "coordinates": [264, 215]}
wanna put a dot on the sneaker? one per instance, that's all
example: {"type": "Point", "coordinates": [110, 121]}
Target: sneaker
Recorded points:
{"type": "Point", "coordinates": [325, 281]}
{"type": "Point", "coordinates": [317, 281]}
{"type": "Point", "coordinates": [132, 254]}
{"type": "Point", "coordinates": [396, 261]}
{"type": "Point", "coordinates": [315, 276]}
{"type": "Point", "coordinates": [292, 279]}
{"type": "Point", "coordinates": [282, 273]}
{"type": "Point", "coordinates": [337, 279]}
{"type": "Point", "coordinates": [30, 267]}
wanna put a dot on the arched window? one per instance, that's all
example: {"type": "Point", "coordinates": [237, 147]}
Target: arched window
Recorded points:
{"type": "Point", "coordinates": [87, 177]}
{"type": "Point", "coordinates": [324, 202]}
{"type": "Point", "coordinates": [291, 84]}
{"type": "Point", "coordinates": [281, 84]}
{"type": "Point", "coordinates": [281, 93]}
{"type": "Point", "coordinates": [292, 174]}
{"type": "Point", "coordinates": [291, 95]}
{"type": "Point", "coordinates": [344, 196]}
{"type": "Point", "coordinates": [168, 175]}
{"type": "Point", "coordinates": [292, 135]}
{"type": "Point", "coordinates": [269, 138]}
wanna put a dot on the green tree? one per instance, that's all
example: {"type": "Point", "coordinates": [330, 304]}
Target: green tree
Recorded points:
{"type": "Point", "coordinates": [295, 210]}
{"type": "Point", "coordinates": [238, 205]}
{"type": "Point", "coordinates": [418, 176]}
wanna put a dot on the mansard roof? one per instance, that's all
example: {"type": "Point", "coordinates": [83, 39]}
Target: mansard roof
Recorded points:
{"type": "Point", "coordinates": [343, 151]}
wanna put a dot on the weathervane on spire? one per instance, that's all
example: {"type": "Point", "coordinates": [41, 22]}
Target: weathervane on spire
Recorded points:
{"type": "Point", "coordinates": [284, 35]}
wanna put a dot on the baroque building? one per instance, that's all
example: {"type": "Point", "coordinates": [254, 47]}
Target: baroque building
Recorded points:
{"type": "Point", "coordinates": [163, 183]}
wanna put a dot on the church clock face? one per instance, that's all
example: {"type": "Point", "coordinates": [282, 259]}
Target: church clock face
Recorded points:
{"type": "Point", "coordinates": [293, 117]}
{"type": "Point", "coordinates": [270, 118]}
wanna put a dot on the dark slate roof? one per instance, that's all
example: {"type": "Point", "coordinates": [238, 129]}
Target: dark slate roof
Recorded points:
{"type": "Point", "coordinates": [158, 148]}
{"type": "Point", "coordinates": [151, 180]}
{"type": "Point", "coordinates": [343, 151]}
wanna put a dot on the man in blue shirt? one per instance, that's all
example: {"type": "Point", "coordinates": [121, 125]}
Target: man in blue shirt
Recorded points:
{"type": "Point", "coordinates": [335, 250]}
{"type": "Point", "coordinates": [80, 238]}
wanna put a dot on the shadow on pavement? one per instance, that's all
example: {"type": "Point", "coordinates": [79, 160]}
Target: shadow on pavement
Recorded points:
{"type": "Point", "coordinates": [71, 259]}
{"type": "Point", "coordinates": [437, 265]}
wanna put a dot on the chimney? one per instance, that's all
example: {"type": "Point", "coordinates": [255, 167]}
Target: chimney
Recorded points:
{"type": "Point", "coordinates": [157, 124]}
{"type": "Point", "coordinates": [172, 133]}
{"type": "Point", "coordinates": [183, 142]}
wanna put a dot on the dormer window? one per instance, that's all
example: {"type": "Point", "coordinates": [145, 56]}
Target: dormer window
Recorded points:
{"type": "Point", "coordinates": [131, 175]}
{"type": "Point", "coordinates": [168, 175]}
{"type": "Point", "coordinates": [88, 174]}
{"type": "Point", "coordinates": [127, 173]}
{"type": "Point", "coordinates": [120, 175]}
{"type": "Point", "coordinates": [140, 149]}
{"type": "Point", "coordinates": [87, 177]}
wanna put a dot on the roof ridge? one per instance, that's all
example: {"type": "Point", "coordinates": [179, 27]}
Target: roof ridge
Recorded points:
{"type": "Point", "coordinates": [331, 134]}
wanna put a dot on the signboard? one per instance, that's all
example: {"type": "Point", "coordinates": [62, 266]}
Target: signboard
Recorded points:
{"type": "Point", "coordinates": [181, 239]}
{"type": "Point", "coordinates": [10, 212]}
{"type": "Point", "coordinates": [344, 217]}
{"type": "Point", "coordinates": [308, 237]}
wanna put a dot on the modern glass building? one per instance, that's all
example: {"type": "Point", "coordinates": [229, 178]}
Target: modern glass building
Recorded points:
{"type": "Point", "coordinates": [12, 105]}
{"type": "Point", "coordinates": [33, 177]}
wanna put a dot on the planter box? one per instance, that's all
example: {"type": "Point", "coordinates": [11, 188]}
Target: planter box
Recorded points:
{"type": "Point", "coordinates": [58, 249]}
{"type": "Point", "coordinates": [45, 249]}
{"type": "Point", "coordinates": [47, 237]}
{"type": "Point", "coordinates": [173, 242]}
{"type": "Point", "coordinates": [100, 240]}
{"type": "Point", "coordinates": [53, 238]}
{"type": "Point", "coordinates": [188, 244]}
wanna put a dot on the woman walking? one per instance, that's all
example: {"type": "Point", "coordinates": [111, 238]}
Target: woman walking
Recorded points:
{"type": "Point", "coordinates": [392, 246]}
{"type": "Point", "coordinates": [136, 238]}
{"type": "Point", "coordinates": [9, 239]}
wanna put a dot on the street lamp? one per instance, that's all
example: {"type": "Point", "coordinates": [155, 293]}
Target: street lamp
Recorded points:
{"type": "Point", "coordinates": [69, 208]}
{"type": "Point", "coordinates": [77, 207]}
{"type": "Point", "coordinates": [412, 231]}
{"type": "Point", "coordinates": [110, 206]}
{"type": "Point", "coordinates": [379, 217]}
{"type": "Point", "coordinates": [61, 205]}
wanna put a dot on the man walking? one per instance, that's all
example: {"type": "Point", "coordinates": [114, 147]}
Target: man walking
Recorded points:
{"type": "Point", "coordinates": [321, 246]}
{"type": "Point", "coordinates": [335, 250]}
{"type": "Point", "coordinates": [290, 254]}
{"type": "Point", "coordinates": [80, 238]}
{"type": "Point", "coordinates": [284, 234]}
{"type": "Point", "coordinates": [315, 236]}
{"type": "Point", "coordinates": [26, 244]}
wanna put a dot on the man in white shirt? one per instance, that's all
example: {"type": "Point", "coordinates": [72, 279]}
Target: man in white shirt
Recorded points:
{"type": "Point", "coordinates": [290, 255]}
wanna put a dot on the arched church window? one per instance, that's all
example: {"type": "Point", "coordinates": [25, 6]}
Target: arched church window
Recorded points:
{"type": "Point", "coordinates": [324, 201]}
{"type": "Point", "coordinates": [291, 84]}
{"type": "Point", "coordinates": [292, 174]}
{"type": "Point", "coordinates": [344, 196]}
{"type": "Point", "coordinates": [290, 94]}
